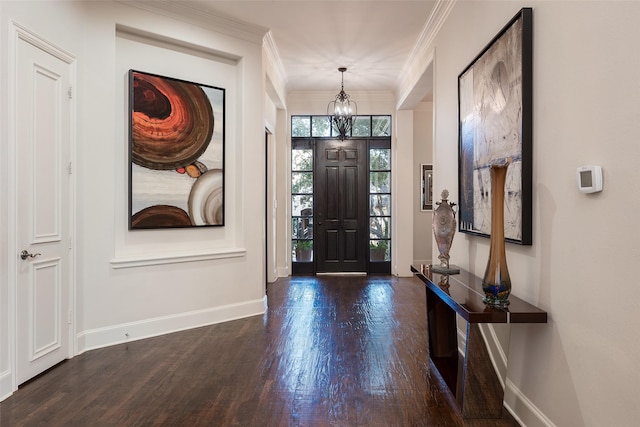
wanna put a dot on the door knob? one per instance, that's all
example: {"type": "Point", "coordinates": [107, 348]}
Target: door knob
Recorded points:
{"type": "Point", "coordinates": [25, 254]}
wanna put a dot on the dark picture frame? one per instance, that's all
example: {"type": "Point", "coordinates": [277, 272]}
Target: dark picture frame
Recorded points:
{"type": "Point", "coordinates": [495, 118]}
{"type": "Point", "coordinates": [176, 153]}
{"type": "Point", "coordinates": [426, 184]}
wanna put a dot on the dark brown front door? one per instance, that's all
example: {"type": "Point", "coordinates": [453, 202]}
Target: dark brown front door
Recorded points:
{"type": "Point", "coordinates": [341, 206]}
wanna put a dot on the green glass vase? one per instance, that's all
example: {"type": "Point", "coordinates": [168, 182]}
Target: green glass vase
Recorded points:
{"type": "Point", "coordinates": [496, 282]}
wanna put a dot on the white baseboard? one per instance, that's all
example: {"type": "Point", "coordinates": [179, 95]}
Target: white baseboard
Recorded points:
{"type": "Point", "coordinates": [523, 410]}
{"type": "Point", "coordinates": [518, 405]}
{"type": "Point", "coordinates": [283, 271]}
{"type": "Point", "coordinates": [6, 385]}
{"type": "Point", "coordinates": [118, 334]}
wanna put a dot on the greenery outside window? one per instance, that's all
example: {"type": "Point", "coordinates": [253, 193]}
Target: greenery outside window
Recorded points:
{"type": "Point", "coordinates": [320, 127]}
{"type": "Point", "coordinates": [379, 204]}
{"type": "Point", "coordinates": [302, 204]}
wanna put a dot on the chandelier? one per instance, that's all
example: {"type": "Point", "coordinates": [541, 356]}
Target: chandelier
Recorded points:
{"type": "Point", "coordinates": [341, 111]}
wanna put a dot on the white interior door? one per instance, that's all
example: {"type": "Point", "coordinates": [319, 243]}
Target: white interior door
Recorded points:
{"type": "Point", "coordinates": [42, 211]}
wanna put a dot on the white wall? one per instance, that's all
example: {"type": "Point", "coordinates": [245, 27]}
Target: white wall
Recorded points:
{"type": "Point", "coordinates": [283, 194]}
{"type": "Point", "coordinates": [422, 153]}
{"type": "Point", "coordinates": [582, 368]}
{"type": "Point", "coordinates": [403, 185]}
{"type": "Point", "coordinates": [144, 283]}
{"type": "Point", "coordinates": [6, 383]}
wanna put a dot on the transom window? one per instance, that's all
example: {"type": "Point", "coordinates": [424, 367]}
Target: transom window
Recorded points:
{"type": "Point", "coordinates": [320, 127]}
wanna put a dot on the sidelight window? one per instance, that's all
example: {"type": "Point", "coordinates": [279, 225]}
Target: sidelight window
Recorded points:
{"type": "Point", "coordinates": [379, 204]}
{"type": "Point", "coordinates": [302, 203]}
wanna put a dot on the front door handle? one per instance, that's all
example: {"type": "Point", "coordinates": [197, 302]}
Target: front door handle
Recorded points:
{"type": "Point", "coordinates": [25, 254]}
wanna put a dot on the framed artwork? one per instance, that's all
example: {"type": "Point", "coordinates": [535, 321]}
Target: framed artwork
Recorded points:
{"type": "Point", "coordinates": [176, 153]}
{"type": "Point", "coordinates": [495, 123]}
{"type": "Point", "coordinates": [427, 187]}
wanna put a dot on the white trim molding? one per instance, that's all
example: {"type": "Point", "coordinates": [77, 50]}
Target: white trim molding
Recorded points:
{"type": "Point", "coordinates": [422, 53]}
{"type": "Point", "coordinates": [139, 260]}
{"type": "Point", "coordinates": [516, 402]}
{"type": "Point", "coordinates": [133, 331]}
{"type": "Point", "coordinates": [6, 385]}
{"type": "Point", "coordinates": [275, 70]}
{"type": "Point", "coordinates": [208, 19]}
{"type": "Point", "coordinates": [523, 410]}
{"type": "Point", "coordinates": [283, 271]}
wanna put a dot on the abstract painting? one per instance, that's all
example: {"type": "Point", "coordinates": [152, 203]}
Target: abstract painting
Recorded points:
{"type": "Point", "coordinates": [176, 141]}
{"type": "Point", "coordinates": [495, 124]}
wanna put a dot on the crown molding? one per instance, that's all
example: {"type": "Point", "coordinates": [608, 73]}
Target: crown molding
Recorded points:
{"type": "Point", "coordinates": [278, 75]}
{"type": "Point", "coordinates": [420, 56]}
{"type": "Point", "coordinates": [203, 18]}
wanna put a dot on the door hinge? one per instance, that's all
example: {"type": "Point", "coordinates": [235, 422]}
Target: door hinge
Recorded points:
{"type": "Point", "coordinates": [70, 168]}
{"type": "Point", "coordinates": [70, 317]}
{"type": "Point", "coordinates": [70, 92]}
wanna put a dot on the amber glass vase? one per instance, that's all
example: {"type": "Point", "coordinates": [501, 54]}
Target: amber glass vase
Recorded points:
{"type": "Point", "coordinates": [496, 283]}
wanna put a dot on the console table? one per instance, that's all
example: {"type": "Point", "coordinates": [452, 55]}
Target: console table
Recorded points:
{"type": "Point", "coordinates": [472, 364]}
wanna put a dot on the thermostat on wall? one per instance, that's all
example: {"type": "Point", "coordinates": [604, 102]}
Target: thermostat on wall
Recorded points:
{"type": "Point", "coordinates": [590, 179]}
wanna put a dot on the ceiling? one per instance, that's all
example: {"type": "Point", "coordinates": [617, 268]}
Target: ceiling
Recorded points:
{"type": "Point", "coordinates": [372, 38]}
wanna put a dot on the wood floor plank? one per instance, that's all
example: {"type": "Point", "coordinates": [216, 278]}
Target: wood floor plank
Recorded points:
{"type": "Point", "coordinates": [330, 351]}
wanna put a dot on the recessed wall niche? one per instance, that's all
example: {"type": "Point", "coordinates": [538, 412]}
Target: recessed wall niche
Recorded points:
{"type": "Point", "coordinates": [179, 59]}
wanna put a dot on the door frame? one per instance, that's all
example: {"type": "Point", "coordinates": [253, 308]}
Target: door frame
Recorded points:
{"type": "Point", "coordinates": [310, 142]}
{"type": "Point", "coordinates": [19, 32]}
{"type": "Point", "coordinates": [271, 206]}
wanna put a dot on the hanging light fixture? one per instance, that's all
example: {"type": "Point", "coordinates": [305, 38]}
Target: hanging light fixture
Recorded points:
{"type": "Point", "coordinates": [341, 111]}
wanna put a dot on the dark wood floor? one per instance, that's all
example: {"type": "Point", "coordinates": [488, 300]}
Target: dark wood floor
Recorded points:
{"type": "Point", "coordinates": [338, 351]}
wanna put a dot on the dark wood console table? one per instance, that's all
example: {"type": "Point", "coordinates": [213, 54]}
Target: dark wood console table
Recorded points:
{"type": "Point", "coordinates": [472, 364]}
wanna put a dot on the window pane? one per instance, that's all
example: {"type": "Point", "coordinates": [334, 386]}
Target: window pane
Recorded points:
{"type": "Point", "coordinates": [321, 126]}
{"type": "Point", "coordinates": [380, 205]}
{"type": "Point", "coordinates": [301, 160]}
{"type": "Point", "coordinates": [381, 126]}
{"type": "Point", "coordinates": [302, 228]}
{"type": "Point", "coordinates": [302, 182]}
{"type": "Point", "coordinates": [335, 132]}
{"type": "Point", "coordinates": [379, 159]}
{"type": "Point", "coordinates": [301, 205]}
{"type": "Point", "coordinates": [302, 250]}
{"type": "Point", "coordinates": [379, 182]}
{"type": "Point", "coordinates": [295, 227]}
{"type": "Point", "coordinates": [301, 126]}
{"type": "Point", "coordinates": [379, 227]}
{"type": "Point", "coordinates": [362, 126]}
{"type": "Point", "coordinates": [379, 250]}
